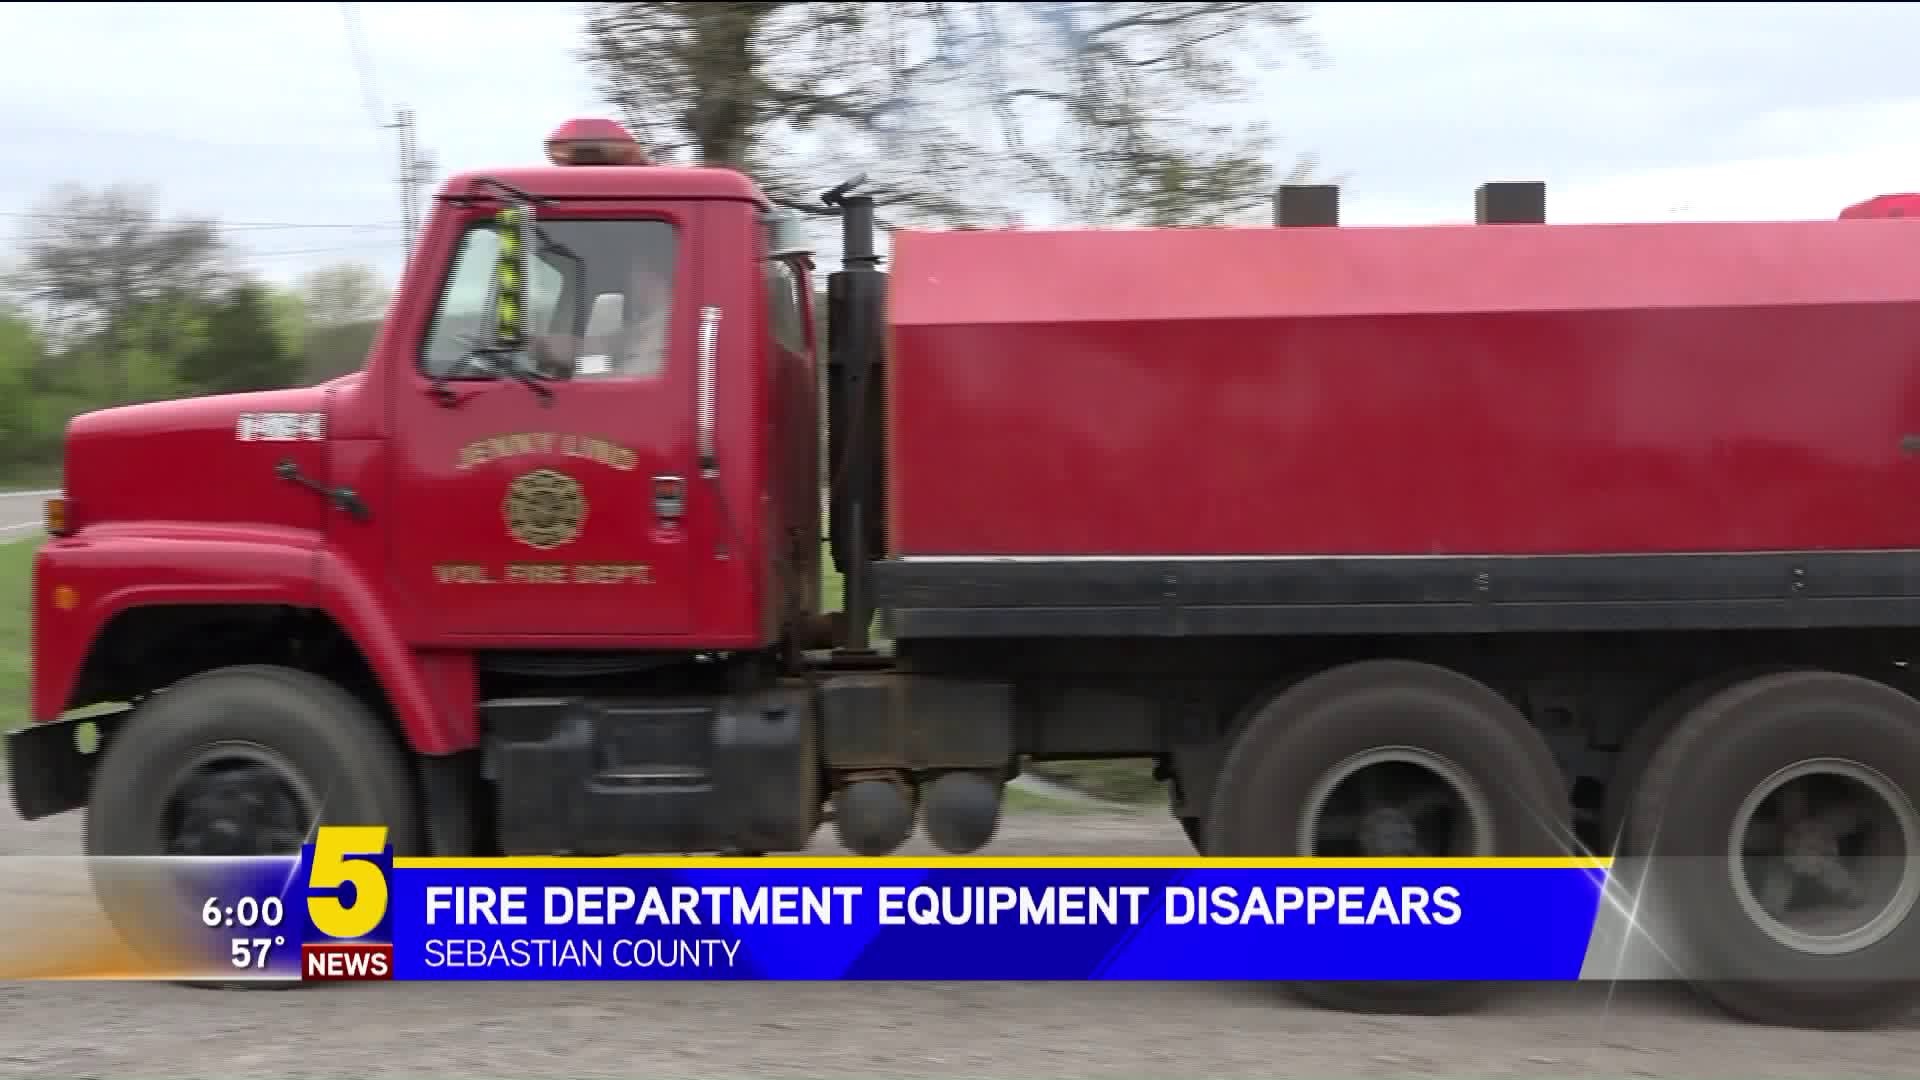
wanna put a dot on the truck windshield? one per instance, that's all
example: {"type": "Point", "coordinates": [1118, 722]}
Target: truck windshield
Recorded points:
{"type": "Point", "coordinates": [599, 301]}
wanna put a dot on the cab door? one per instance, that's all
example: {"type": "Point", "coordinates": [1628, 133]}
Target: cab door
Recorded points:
{"type": "Point", "coordinates": [539, 508]}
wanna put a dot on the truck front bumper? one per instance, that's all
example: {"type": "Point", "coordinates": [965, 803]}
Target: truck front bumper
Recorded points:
{"type": "Point", "coordinates": [48, 770]}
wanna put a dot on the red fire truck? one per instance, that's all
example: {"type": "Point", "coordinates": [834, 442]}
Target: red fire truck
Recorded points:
{"type": "Point", "coordinates": [1501, 539]}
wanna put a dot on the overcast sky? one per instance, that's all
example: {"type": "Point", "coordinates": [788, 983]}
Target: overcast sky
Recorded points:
{"type": "Point", "coordinates": [253, 112]}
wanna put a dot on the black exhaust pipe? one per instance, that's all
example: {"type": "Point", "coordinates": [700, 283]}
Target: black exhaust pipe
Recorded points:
{"type": "Point", "coordinates": [856, 423]}
{"type": "Point", "coordinates": [1510, 202]}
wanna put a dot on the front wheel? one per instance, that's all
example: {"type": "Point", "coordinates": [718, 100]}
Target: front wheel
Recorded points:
{"type": "Point", "coordinates": [240, 761]}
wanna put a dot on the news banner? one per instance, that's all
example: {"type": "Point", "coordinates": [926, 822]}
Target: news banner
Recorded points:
{"type": "Point", "coordinates": [346, 909]}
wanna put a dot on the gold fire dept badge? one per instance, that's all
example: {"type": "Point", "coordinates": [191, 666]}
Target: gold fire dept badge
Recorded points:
{"type": "Point", "coordinates": [545, 509]}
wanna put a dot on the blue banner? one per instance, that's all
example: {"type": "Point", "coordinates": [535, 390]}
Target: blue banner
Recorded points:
{"type": "Point", "coordinates": [346, 908]}
{"type": "Point", "coordinates": [944, 919]}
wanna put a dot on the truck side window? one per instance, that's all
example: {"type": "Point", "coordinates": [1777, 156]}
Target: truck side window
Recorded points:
{"type": "Point", "coordinates": [601, 298]}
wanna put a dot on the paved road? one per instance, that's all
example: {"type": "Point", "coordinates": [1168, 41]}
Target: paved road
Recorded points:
{"type": "Point", "coordinates": [930, 1030]}
{"type": "Point", "coordinates": [20, 513]}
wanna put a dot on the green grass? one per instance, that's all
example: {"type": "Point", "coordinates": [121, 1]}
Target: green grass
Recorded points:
{"type": "Point", "coordinates": [1020, 800]}
{"type": "Point", "coordinates": [833, 587]}
{"type": "Point", "coordinates": [1128, 781]}
{"type": "Point", "coordinates": [29, 477]}
{"type": "Point", "coordinates": [16, 628]}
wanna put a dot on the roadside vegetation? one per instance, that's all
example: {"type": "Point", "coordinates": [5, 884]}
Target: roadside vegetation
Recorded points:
{"type": "Point", "coordinates": [1129, 781]}
{"type": "Point", "coordinates": [16, 570]}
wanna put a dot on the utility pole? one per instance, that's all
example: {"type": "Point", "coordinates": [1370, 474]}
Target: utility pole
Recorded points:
{"type": "Point", "coordinates": [416, 171]}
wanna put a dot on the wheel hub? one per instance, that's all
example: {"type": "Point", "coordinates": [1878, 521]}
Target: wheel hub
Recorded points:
{"type": "Point", "coordinates": [1388, 831]}
{"type": "Point", "coordinates": [237, 800]}
{"type": "Point", "coordinates": [1822, 857]}
{"type": "Point", "coordinates": [1811, 840]}
{"type": "Point", "coordinates": [1395, 802]}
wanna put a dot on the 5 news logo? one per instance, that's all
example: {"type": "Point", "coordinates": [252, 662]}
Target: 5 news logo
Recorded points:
{"type": "Point", "coordinates": [349, 927]}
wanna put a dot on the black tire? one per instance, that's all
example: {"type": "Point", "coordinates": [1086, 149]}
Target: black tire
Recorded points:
{"type": "Point", "coordinates": [1689, 802]}
{"type": "Point", "coordinates": [1190, 824]}
{"type": "Point", "coordinates": [1195, 833]}
{"type": "Point", "coordinates": [1299, 735]}
{"type": "Point", "coordinates": [328, 736]}
{"type": "Point", "coordinates": [1631, 766]}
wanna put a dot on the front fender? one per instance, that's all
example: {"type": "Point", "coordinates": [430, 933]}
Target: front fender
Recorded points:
{"type": "Point", "coordinates": [81, 583]}
{"type": "Point", "coordinates": [432, 691]}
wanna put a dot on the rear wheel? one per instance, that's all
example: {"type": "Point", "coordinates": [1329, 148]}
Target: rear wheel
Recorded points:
{"type": "Point", "coordinates": [1195, 833]}
{"type": "Point", "coordinates": [1782, 823]}
{"type": "Point", "coordinates": [1646, 740]}
{"type": "Point", "coordinates": [1389, 758]}
{"type": "Point", "coordinates": [241, 761]}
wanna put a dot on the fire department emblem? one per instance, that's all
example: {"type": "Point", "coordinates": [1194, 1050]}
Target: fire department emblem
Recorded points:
{"type": "Point", "coordinates": [545, 509]}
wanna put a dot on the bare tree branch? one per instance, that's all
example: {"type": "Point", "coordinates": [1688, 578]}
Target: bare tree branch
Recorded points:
{"type": "Point", "coordinates": [963, 113]}
{"type": "Point", "coordinates": [89, 257]}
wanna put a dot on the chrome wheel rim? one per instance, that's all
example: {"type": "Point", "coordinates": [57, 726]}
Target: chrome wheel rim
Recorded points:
{"type": "Point", "coordinates": [1396, 802]}
{"type": "Point", "coordinates": [1821, 856]}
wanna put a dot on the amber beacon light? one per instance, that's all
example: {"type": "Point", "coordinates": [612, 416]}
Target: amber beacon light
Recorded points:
{"type": "Point", "coordinates": [594, 142]}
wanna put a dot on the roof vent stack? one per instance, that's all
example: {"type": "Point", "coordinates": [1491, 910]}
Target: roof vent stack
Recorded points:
{"type": "Point", "coordinates": [1306, 205]}
{"type": "Point", "coordinates": [1511, 202]}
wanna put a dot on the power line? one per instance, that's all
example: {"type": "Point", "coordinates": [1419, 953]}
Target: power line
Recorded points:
{"type": "Point", "coordinates": [363, 65]}
{"type": "Point", "coordinates": [415, 167]}
{"type": "Point", "coordinates": [219, 226]}
{"type": "Point", "coordinates": [312, 251]}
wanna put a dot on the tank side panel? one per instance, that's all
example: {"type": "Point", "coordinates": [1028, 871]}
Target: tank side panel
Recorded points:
{"type": "Point", "coordinates": [1037, 278]}
{"type": "Point", "coordinates": [1683, 429]}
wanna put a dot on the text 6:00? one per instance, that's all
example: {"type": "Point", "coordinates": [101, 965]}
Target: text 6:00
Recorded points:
{"type": "Point", "coordinates": [246, 911]}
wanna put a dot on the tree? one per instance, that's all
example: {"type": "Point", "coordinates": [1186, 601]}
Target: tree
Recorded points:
{"type": "Point", "coordinates": [341, 294]}
{"type": "Point", "coordinates": [92, 256]}
{"type": "Point", "coordinates": [341, 308]}
{"type": "Point", "coordinates": [962, 112]}
{"type": "Point", "coordinates": [96, 265]}
{"type": "Point", "coordinates": [289, 321]}
{"type": "Point", "coordinates": [20, 354]}
{"type": "Point", "coordinates": [243, 349]}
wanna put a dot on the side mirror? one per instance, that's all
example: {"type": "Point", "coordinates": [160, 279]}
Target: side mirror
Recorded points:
{"type": "Point", "coordinates": [786, 237]}
{"type": "Point", "coordinates": [513, 269]}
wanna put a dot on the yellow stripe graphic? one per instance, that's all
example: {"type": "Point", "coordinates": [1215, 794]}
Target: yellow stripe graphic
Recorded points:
{"type": "Point", "coordinates": [967, 862]}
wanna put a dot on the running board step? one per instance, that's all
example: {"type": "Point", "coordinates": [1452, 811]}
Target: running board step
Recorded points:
{"type": "Point", "coordinates": [676, 777]}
